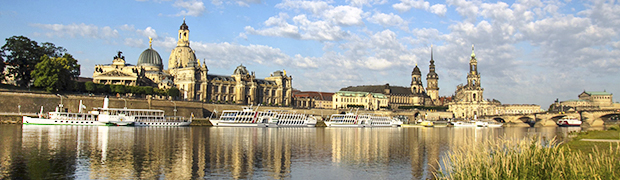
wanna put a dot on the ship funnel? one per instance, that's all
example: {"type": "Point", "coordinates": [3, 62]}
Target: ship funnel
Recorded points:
{"type": "Point", "coordinates": [106, 102]}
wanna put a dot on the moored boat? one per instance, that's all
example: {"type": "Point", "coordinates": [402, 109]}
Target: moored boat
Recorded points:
{"type": "Point", "coordinates": [568, 121]}
{"type": "Point", "coordinates": [362, 120]}
{"type": "Point", "coordinates": [108, 116]}
{"type": "Point", "coordinates": [249, 117]}
{"type": "Point", "coordinates": [427, 123]}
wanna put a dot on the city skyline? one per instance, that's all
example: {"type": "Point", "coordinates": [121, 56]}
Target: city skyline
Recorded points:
{"type": "Point", "coordinates": [529, 52]}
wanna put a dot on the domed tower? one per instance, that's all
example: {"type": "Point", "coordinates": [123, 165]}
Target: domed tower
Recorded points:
{"type": "Point", "coordinates": [150, 59]}
{"type": "Point", "coordinates": [416, 81]}
{"type": "Point", "coordinates": [432, 86]}
{"type": "Point", "coordinates": [182, 56]}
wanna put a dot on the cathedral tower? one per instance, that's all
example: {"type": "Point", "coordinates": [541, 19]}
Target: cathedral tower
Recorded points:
{"type": "Point", "coordinates": [473, 79]}
{"type": "Point", "coordinates": [432, 87]}
{"type": "Point", "coordinates": [416, 81]}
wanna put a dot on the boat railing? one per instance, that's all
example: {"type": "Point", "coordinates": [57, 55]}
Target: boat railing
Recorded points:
{"type": "Point", "coordinates": [72, 116]}
{"type": "Point", "coordinates": [176, 119]}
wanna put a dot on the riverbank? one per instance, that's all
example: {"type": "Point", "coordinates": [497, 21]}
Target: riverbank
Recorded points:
{"type": "Point", "coordinates": [536, 158]}
{"type": "Point", "coordinates": [588, 141]}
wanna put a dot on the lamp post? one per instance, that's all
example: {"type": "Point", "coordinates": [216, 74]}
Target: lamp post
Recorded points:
{"type": "Point", "coordinates": [60, 105]}
{"type": "Point", "coordinates": [175, 108]}
{"type": "Point", "coordinates": [125, 102]}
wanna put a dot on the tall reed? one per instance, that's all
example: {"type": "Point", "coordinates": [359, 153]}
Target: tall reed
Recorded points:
{"type": "Point", "coordinates": [528, 159]}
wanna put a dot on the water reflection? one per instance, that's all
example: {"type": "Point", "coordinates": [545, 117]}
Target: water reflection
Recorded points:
{"type": "Point", "coordinates": [85, 152]}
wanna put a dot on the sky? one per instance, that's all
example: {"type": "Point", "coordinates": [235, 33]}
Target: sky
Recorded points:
{"type": "Point", "coordinates": [528, 51]}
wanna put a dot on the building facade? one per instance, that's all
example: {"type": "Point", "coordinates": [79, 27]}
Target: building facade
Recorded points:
{"type": "Point", "coordinates": [366, 100]}
{"type": "Point", "coordinates": [191, 77]}
{"type": "Point", "coordinates": [414, 95]}
{"type": "Point", "coordinates": [469, 102]}
{"type": "Point", "coordinates": [312, 99]}
{"type": "Point", "coordinates": [587, 100]}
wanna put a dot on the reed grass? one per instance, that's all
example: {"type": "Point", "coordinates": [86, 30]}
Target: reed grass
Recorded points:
{"type": "Point", "coordinates": [531, 158]}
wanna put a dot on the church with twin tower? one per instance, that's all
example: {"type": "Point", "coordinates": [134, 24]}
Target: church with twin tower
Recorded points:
{"type": "Point", "coordinates": [191, 77]}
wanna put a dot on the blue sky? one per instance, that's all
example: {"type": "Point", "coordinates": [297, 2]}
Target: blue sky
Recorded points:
{"type": "Point", "coordinates": [528, 51]}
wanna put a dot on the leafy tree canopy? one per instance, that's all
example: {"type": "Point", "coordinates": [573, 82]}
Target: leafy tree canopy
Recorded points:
{"type": "Point", "coordinates": [22, 54]}
{"type": "Point", "coordinates": [56, 73]}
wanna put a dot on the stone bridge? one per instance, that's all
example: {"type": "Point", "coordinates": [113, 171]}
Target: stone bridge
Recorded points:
{"type": "Point", "coordinates": [589, 118]}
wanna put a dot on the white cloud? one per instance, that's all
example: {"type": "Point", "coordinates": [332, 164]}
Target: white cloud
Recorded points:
{"type": "Point", "coordinates": [358, 3]}
{"type": "Point", "coordinates": [467, 9]}
{"type": "Point", "coordinates": [131, 42]}
{"type": "Point", "coordinates": [315, 7]}
{"type": "Point", "coordinates": [148, 32]}
{"type": "Point", "coordinates": [387, 20]}
{"type": "Point", "coordinates": [439, 9]}
{"type": "Point", "coordinates": [127, 27]}
{"type": "Point", "coordinates": [190, 8]}
{"type": "Point", "coordinates": [345, 15]}
{"type": "Point", "coordinates": [406, 5]}
{"type": "Point", "coordinates": [74, 30]}
{"type": "Point", "coordinates": [227, 54]}
{"type": "Point", "coordinates": [303, 29]}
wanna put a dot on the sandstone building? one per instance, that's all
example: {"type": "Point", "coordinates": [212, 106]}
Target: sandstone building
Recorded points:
{"type": "Point", "coordinates": [191, 77]}
{"type": "Point", "coordinates": [469, 102]}
{"type": "Point", "coordinates": [366, 100]}
{"type": "Point", "coordinates": [415, 95]}
{"type": "Point", "coordinates": [587, 100]}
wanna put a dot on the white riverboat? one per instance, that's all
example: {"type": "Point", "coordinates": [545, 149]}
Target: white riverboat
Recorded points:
{"type": "Point", "coordinates": [249, 117]}
{"type": "Point", "coordinates": [361, 120]}
{"type": "Point", "coordinates": [477, 124]}
{"type": "Point", "coordinates": [64, 118]}
{"type": "Point", "coordinates": [108, 116]}
{"type": "Point", "coordinates": [568, 121]}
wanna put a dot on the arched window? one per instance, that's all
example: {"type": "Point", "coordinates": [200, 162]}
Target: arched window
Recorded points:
{"type": "Point", "coordinates": [474, 97]}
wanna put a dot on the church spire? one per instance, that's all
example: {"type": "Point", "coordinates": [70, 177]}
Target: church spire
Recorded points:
{"type": "Point", "coordinates": [432, 61]}
{"type": "Point", "coordinates": [472, 51]}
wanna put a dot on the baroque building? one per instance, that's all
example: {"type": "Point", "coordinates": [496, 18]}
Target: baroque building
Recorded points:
{"type": "Point", "coordinates": [191, 77]}
{"type": "Point", "coordinates": [366, 100]}
{"type": "Point", "coordinates": [414, 95]}
{"type": "Point", "coordinates": [587, 100]}
{"type": "Point", "coordinates": [469, 102]}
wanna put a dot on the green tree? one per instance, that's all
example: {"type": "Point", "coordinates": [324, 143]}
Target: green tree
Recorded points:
{"type": "Point", "coordinates": [90, 86]}
{"type": "Point", "coordinates": [174, 92]}
{"type": "Point", "coordinates": [56, 73]}
{"type": "Point", "coordinates": [147, 90]}
{"type": "Point", "coordinates": [22, 54]}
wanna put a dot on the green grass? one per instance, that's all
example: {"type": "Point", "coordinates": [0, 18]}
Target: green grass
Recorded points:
{"type": "Point", "coordinates": [529, 159]}
{"type": "Point", "coordinates": [587, 146]}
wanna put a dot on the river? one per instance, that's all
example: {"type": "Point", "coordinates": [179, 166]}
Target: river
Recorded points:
{"type": "Point", "coordinates": [110, 152]}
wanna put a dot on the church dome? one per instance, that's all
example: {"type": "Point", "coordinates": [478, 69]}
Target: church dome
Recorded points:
{"type": "Point", "coordinates": [416, 71]}
{"type": "Point", "coordinates": [150, 57]}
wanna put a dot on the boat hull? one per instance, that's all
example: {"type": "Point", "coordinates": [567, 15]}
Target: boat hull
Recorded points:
{"type": "Point", "coordinates": [218, 123]}
{"type": "Point", "coordinates": [153, 124]}
{"type": "Point", "coordinates": [41, 121]}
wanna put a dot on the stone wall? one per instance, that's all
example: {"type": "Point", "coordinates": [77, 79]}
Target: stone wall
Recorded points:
{"type": "Point", "coordinates": [32, 102]}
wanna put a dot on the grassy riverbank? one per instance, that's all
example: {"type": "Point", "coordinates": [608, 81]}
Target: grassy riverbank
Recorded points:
{"type": "Point", "coordinates": [577, 143]}
{"type": "Point", "coordinates": [535, 159]}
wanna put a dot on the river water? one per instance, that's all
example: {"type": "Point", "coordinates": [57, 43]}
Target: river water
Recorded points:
{"type": "Point", "coordinates": [109, 152]}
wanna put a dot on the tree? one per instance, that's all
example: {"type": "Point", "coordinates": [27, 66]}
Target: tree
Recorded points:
{"type": "Point", "coordinates": [22, 54]}
{"type": "Point", "coordinates": [174, 92]}
{"type": "Point", "coordinates": [56, 74]}
{"type": "Point", "coordinates": [90, 86]}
